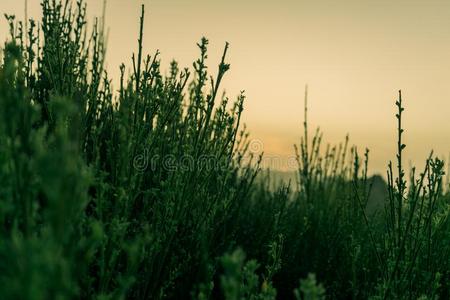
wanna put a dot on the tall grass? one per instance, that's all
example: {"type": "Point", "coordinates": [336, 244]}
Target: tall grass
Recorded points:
{"type": "Point", "coordinates": [148, 190]}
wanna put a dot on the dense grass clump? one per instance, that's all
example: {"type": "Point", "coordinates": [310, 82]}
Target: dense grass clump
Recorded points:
{"type": "Point", "coordinates": [149, 190]}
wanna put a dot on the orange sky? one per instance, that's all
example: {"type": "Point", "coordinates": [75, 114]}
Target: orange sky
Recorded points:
{"type": "Point", "coordinates": [353, 54]}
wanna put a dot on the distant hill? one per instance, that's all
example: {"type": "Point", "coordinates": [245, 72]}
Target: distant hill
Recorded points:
{"type": "Point", "coordinates": [377, 196]}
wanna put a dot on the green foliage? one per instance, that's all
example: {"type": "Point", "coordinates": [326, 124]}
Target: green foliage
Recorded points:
{"type": "Point", "coordinates": [240, 280]}
{"type": "Point", "coordinates": [309, 289]}
{"type": "Point", "coordinates": [144, 191]}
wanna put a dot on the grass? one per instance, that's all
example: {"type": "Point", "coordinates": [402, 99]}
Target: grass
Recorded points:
{"type": "Point", "coordinates": [150, 192]}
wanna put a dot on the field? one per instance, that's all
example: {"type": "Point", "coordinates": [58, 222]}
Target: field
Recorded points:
{"type": "Point", "coordinates": [149, 189]}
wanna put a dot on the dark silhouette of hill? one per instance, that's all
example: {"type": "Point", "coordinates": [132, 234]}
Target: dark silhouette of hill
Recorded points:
{"type": "Point", "coordinates": [376, 184]}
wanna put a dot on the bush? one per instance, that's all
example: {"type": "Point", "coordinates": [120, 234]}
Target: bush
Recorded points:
{"type": "Point", "coordinates": [147, 192]}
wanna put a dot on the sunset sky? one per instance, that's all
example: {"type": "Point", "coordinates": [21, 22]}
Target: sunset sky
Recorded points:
{"type": "Point", "coordinates": [354, 55]}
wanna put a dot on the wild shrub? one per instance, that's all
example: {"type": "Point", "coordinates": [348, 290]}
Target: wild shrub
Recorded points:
{"type": "Point", "coordinates": [146, 190]}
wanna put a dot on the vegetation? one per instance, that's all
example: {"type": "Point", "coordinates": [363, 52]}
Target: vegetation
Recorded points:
{"type": "Point", "coordinates": [150, 192]}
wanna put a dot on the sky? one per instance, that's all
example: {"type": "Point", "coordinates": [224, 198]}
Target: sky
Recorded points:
{"type": "Point", "coordinates": [354, 55]}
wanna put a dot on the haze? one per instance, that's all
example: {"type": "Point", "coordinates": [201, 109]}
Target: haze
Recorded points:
{"type": "Point", "coordinates": [354, 56]}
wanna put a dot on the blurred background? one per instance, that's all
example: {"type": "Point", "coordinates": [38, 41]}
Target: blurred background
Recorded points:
{"type": "Point", "coordinates": [353, 55]}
